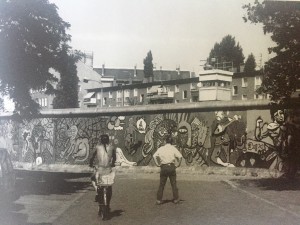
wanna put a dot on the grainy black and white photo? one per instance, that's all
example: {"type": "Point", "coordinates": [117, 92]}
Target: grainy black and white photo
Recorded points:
{"type": "Point", "coordinates": [140, 112]}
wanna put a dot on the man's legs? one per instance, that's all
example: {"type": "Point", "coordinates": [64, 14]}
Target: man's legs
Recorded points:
{"type": "Point", "coordinates": [172, 177]}
{"type": "Point", "coordinates": [162, 183]}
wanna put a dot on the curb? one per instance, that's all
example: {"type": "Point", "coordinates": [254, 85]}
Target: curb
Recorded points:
{"type": "Point", "coordinates": [84, 169]}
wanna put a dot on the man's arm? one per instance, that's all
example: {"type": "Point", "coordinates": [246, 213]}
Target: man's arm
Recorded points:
{"type": "Point", "coordinates": [156, 159]}
{"type": "Point", "coordinates": [178, 158]}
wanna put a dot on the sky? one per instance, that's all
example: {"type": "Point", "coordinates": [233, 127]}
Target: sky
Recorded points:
{"type": "Point", "coordinates": [179, 33]}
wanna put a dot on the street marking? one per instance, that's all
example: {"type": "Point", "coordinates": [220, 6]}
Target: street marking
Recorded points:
{"type": "Point", "coordinates": [260, 198]}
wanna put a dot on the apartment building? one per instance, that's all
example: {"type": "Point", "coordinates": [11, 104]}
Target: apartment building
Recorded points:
{"type": "Point", "coordinates": [244, 86]}
{"type": "Point", "coordinates": [130, 87]}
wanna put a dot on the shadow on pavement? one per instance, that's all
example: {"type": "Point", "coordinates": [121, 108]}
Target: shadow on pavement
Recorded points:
{"type": "Point", "coordinates": [47, 184]}
{"type": "Point", "coordinates": [9, 214]}
{"type": "Point", "coordinates": [275, 184]}
{"type": "Point", "coordinates": [116, 213]}
{"type": "Point", "coordinates": [35, 184]}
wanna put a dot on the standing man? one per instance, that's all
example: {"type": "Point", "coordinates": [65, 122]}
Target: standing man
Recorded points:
{"type": "Point", "coordinates": [168, 158]}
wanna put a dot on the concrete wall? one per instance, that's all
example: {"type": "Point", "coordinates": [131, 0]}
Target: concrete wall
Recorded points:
{"type": "Point", "coordinates": [69, 136]}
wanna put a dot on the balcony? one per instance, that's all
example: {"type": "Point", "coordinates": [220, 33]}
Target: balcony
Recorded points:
{"type": "Point", "coordinates": [160, 97]}
{"type": "Point", "coordinates": [90, 101]}
{"type": "Point", "coordinates": [214, 94]}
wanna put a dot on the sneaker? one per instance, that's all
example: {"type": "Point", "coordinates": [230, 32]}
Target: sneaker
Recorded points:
{"type": "Point", "coordinates": [158, 202]}
{"type": "Point", "coordinates": [176, 201]}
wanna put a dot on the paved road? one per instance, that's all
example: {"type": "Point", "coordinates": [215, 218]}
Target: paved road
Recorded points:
{"type": "Point", "coordinates": [204, 200]}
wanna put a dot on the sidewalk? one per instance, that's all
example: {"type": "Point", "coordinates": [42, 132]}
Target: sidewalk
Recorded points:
{"type": "Point", "coordinates": [84, 169]}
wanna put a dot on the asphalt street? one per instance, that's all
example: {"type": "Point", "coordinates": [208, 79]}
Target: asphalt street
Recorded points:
{"type": "Point", "coordinates": [205, 199]}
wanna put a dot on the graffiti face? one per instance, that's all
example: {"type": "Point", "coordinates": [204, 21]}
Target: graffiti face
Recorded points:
{"type": "Point", "coordinates": [72, 132]}
{"type": "Point", "coordinates": [184, 134]}
{"type": "Point", "coordinates": [279, 116]}
{"type": "Point", "coordinates": [220, 115]}
{"type": "Point", "coordinates": [141, 126]}
{"type": "Point", "coordinates": [166, 127]}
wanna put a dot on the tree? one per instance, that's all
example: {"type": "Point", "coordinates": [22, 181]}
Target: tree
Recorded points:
{"type": "Point", "coordinates": [31, 37]}
{"type": "Point", "coordinates": [227, 51]}
{"type": "Point", "coordinates": [148, 65]}
{"type": "Point", "coordinates": [66, 95]}
{"type": "Point", "coordinates": [250, 64]}
{"type": "Point", "coordinates": [280, 19]}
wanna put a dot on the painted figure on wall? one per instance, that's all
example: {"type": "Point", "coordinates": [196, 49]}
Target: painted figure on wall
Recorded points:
{"type": "Point", "coordinates": [157, 131]}
{"type": "Point", "coordinates": [192, 140]}
{"type": "Point", "coordinates": [38, 146]}
{"type": "Point", "coordinates": [221, 142]}
{"type": "Point", "coordinates": [131, 143]}
{"type": "Point", "coordinates": [274, 131]}
{"type": "Point", "coordinates": [75, 148]}
{"type": "Point", "coordinates": [6, 139]}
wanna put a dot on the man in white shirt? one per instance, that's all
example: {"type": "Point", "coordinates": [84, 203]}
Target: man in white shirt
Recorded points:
{"type": "Point", "coordinates": [168, 158]}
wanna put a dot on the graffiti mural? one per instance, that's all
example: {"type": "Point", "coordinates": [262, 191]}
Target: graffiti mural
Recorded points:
{"type": "Point", "coordinates": [268, 148]}
{"type": "Point", "coordinates": [37, 139]}
{"type": "Point", "coordinates": [246, 138]}
{"type": "Point", "coordinates": [9, 138]}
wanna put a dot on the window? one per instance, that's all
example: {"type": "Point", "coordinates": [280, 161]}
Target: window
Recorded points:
{"type": "Point", "coordinates": [43, 102]}
{"type": "Point", "coordinates": [244, 97]}
{"type": "Point", "coordinates": [110, 94]}
{"type": "Point", "coordinates": [126, 93]}
{"type": "Point", "coordinates": [184, 94]}
{"type": "Point", "coordinates": [176, 88]}
{"type": "Point", "coordinates": [193, 86]}
{"type": "Point", "coordinates": [142, 98]}
{"type": "Point", "coordinates": [244, 82]}
{"type": "Point", "coordinates": [119, 94]}
{"type": "Point", "coordinates": [258, 96]}
{"type": "Point", "coordinates": [135, 92]}
{"type": "Point", "coordinates": [104, 101]}
{"type": "Point", "coordinates": [176, 101]}
{"type": "Point", "coordinates": [98, 95]}
{"type": "Point", "coordinates": [235, 90]}
{"type": "Point", "coordinates": [258, 80]}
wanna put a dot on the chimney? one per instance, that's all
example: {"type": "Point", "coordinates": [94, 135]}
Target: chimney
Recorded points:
{"type": "Point", "coordinates": [178, 70]}
{"type": "Point", "coordinates": [134, 74]}
{"type": "Point", "coordinates": [103, 68]}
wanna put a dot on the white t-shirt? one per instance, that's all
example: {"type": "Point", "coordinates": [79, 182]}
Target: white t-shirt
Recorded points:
{"type": "Point", "coordinates": [167, 154]}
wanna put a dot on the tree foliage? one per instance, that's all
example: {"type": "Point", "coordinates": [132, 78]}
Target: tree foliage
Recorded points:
{"type": "Point", "coordinates": [280, 19]}
{"type": "Point", "coordinates": [226, 52]}
{"type": "Point", "coordinates": [148, 65]}
{"type": "Point", "coordinates": [66, 93]}
{"type": "Point", "coordinates": [250, 64]}
{"type": "Point", "coordinates": [32, 35]}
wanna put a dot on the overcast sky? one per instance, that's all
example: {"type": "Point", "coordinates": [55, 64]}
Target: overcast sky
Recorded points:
{"type": "Point", "coordinates": [178, 32]}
